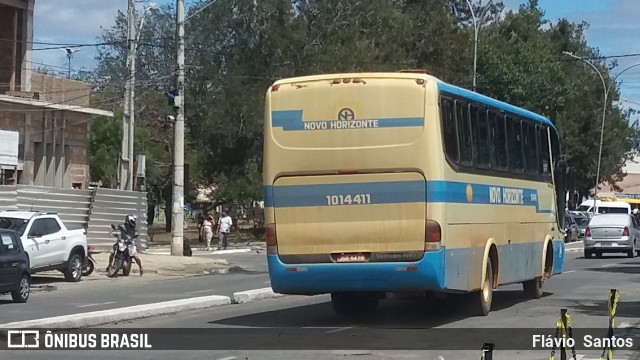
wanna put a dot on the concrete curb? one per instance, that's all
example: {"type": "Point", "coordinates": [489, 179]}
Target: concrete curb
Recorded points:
{"type": "Point", "coordinates": [95, 318]}
{"type": "Point", "coordinates": [253, 295]}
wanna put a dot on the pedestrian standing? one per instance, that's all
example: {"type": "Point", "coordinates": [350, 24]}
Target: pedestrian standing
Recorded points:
{"type": "Point", "coordinates": [207, 230]}
{"type": "Point", "coordinates": [201, 219]}
{"type": "Point", "coordinates": [224, 229]}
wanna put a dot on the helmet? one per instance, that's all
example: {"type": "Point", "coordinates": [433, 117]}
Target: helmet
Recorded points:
{"type": "Point", "coordinates": [130, 220]}
{"type": "Point", "coordinates": [635, 211]}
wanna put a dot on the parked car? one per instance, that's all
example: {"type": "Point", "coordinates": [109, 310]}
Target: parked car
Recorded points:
{"type": "Point", "coordinates": [570, 229]}
{"type": "Point", "coordinates": [14, 267]}
{"type": "Point", "coordinates": [582, 222]}
{"type": "Point", "coordinates": [612, 233]}
{"type": "Point", "coordinates": [48, 243]}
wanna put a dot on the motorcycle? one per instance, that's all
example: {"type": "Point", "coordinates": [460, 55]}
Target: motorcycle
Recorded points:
{"type": "Point", "coordinates": [90, 263]}
{"type": "Point", "coordinates": [121, 258]}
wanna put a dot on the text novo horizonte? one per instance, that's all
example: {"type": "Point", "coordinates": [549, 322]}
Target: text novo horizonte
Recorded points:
{"type": "Point", "coordinates": [499, 195]}
{"type": "Point", "coordinates": [340, 124]}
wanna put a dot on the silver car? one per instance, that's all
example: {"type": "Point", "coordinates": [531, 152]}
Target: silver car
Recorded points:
{"type": "Point", "coordinates": [612, 233]}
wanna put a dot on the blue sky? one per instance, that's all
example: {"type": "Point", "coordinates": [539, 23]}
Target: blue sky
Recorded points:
{"type": "Point", "coordinates": [613, 29]}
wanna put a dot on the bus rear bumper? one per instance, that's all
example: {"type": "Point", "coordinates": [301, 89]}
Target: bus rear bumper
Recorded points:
{"type": "Point", "coordinates": [426, 274]}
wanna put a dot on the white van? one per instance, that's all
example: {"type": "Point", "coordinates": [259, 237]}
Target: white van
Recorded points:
{"type": "Point", "coordinates": [605, 207]}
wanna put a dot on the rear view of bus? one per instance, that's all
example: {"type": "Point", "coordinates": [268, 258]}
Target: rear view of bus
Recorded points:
{"type": "Point", "coordinates": [345, 182]}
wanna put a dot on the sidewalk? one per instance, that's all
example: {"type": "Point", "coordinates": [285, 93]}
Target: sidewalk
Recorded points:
{"type": "Point", "coordinates": [157, 258]}
{"type": "Point", "coordinates": [170, 265]}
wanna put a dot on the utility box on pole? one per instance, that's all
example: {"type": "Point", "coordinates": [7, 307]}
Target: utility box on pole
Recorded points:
{"type": "Point", "coordinates": [141, 171]}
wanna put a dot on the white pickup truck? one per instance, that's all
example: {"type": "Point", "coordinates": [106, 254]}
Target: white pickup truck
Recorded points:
{"type": "Point", "coordinates": [48, 242]}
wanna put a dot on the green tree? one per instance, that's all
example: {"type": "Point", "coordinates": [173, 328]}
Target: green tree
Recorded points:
{"type": "Point", "coordinates": [236, 48]}
{"type": "Point", "coordinates": [521, 61]}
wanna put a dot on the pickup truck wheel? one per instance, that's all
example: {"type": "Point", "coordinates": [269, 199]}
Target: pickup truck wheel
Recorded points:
{"type": "Point", "coordinates": [73, 272]}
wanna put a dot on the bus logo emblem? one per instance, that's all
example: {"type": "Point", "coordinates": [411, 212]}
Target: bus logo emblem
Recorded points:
{"type": "Point", "coordinates": [346, 114]}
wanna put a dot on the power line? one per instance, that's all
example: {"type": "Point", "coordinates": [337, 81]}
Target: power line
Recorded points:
{"type": "Point", "coordinates": [199, 10]}
{"type": "Point", "coordinates": [49, 43]}
{"type": "Point", "coordinates": [75, 46]}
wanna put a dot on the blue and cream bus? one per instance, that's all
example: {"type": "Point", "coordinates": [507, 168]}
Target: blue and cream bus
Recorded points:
{"type": "Point", "coordinates": [382, 183]}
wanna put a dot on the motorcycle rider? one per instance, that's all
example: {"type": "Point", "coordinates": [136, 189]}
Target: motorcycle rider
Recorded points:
{"type": "Point", "coordinates": [129, 231]}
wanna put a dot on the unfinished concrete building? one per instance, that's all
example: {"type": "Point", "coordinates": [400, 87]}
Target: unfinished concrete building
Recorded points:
{"type": "Point", "coordinates": [48, 117]}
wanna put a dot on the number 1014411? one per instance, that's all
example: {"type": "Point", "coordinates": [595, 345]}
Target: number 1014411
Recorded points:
{"type": "Point", "coordinates": [358, 199]}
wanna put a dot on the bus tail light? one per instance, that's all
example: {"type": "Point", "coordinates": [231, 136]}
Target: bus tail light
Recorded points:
{"type": "Point", "coordinates": [587, 232]}
{"type": "Point", "coordinates": [272, 238]}
{"type": "Point", "coordinates": [275, 87]}
{"type": "Point", "coordinates": [432, 235]}
{"type": "Point", "coordinates": [625, 232]}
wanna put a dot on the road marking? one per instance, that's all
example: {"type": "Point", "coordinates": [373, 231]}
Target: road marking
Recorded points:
{"type": "Point", "coordinates": [338, 330]}
{"type": "Point", "coordinates": [199, 291]}
{"type": "Point", "coordinates": [267, 282]}
{"type": "Point", "coordinates": [608, 265]}
{"type": "Point", "coordinates": [570, 271]}
{"type": "Point", "coordinates": [624, 324]}
{"type": "Point", "coordinates": [97, 304]}
{"type": "Point", "coordinates": [228, 358]}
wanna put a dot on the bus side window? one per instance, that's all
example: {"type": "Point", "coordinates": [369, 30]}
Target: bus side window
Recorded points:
{"type": "Point", "coordinates": [544, 151]}
{"type": "Point", "coordinates": [514, 144]}
{"type": "Point", "coordinates": [480, 133]}
{"type": "Point", "coordinates": [530, 148]}
{"type": "Point", "coordinates": [464, 133]}
{"type": "Point", "coordinates": [449, 128]}
{"type": "Point", "coordinates": [498, 141]}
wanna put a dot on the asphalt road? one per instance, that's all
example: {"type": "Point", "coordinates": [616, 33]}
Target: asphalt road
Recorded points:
{"type": "Point", "coordinates": [582, 289]}
{"type": "Point", "coordinates": [97, 292]}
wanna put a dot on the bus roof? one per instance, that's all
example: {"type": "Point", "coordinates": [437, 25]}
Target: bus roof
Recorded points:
{"type": "Point", "coordinates": [494, 103]}
{"type": "Point", "coordinates": [442, 86]}
{"type": "Point", "coordinates": [383, 75]}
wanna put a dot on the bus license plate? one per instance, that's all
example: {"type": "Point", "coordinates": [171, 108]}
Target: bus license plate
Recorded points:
{"type": "Point", "coordinates": [342, 258]}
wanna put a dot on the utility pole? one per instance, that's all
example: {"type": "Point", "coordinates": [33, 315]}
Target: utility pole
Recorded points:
{"type": "Point", "coordinates": [126, 149]}
{"type": "Point", "coordinates": [133, 45]}
{"type": "Point", "coordinates": [177, 215]}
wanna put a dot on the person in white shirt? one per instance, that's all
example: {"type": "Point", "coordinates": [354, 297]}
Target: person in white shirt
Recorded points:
{"type": "Point", "coordinates": [224, 229]}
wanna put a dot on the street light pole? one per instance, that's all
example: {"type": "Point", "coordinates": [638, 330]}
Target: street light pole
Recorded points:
{"type": "Point", "coordinates": [126, 160]}
{"type": "Point", "coordinates": [128, 118]}
{"type": "Point", "coordinates": [177, 214]}
{"type": "Point", "coordinates": [604, 113]}
{"type": "Point", "coordinates": [132, 90]}
{"type": "Point", "coordinates": [606, 90]}
{"type": "Point", "coordinates": [476, 26]}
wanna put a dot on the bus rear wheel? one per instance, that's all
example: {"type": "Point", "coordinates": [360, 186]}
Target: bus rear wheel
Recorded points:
{"type": "Point", "coordinates": [486, 293]}
{"type": "Point", "coordinates": [354, 303]}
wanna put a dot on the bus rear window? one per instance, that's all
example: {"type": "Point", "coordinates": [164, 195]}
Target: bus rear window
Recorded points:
{"type": "Point", "coordinates": [374, 112]}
